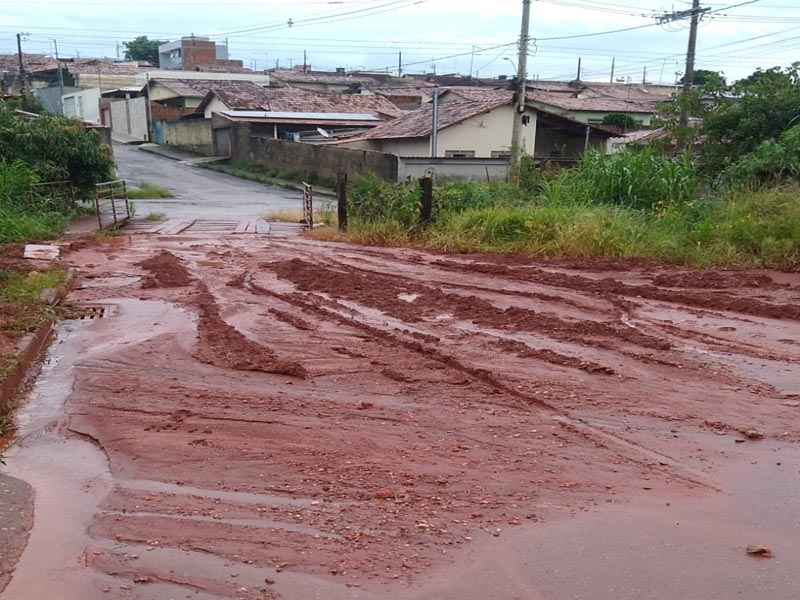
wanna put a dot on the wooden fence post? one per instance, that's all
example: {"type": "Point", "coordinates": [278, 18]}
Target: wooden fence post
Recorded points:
{"type": "Point", "coordinates": [341, 197]}
{"type": "Point", "coordinates": [426, 208]}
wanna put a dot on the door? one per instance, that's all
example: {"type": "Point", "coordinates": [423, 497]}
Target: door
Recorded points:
{"type": "Point", "coordinates": [222, 142]}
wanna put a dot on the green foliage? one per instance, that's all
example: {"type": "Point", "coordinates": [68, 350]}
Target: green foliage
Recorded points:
{"type": "Point", "coordinates": [149, 191]}
{"type": "Point", "coordinates": [143, 48]}
{"type": "Point", "coordinates": [374, 201]}
{"type": "Point", "coordinates": [270, 176]}
{"type": "Point", "coordinates": [740, 229]}
{"type": "Point", "coordinates": [27, 288]}
{"type": "Point", "coordinates": [758, 108]}
{"type": "Point", "coordinates": [772, 162]}
{"type": "Point", "coordinates": [56, 149]}
{"type": "Point", "coordinates": [704, 78]}
{"type": "Point", "coordinates": [628, 178]}
{"type": "Point", "coordinates": [625, 122]}
{"type": "Point", "coordinates": [20, 221]}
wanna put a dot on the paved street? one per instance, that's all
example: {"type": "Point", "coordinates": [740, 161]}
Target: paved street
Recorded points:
{"type": "Point", "coordinates": [199, 193]}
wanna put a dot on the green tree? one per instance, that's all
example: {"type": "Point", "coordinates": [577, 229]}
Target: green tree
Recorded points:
{"type": "Point", "coordinates": [143, 48]}
{"type": "Point", "coordinates": [625, 122]}
{"type": "Point", "coordinates": [758, 108]}
{"type": "Point", "coordinates": [704, 77]}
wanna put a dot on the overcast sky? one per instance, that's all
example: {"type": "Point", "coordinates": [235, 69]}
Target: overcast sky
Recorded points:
{"type": "Point", "coordinates": [447, 36]}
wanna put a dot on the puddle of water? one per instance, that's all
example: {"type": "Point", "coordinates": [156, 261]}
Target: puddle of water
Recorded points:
{"type": "Point", "coordinates": [782, 375]}
{"type": "Point", "coordinates": [110, 282]}
{"type": "Point", "coordinates": [70, 476]}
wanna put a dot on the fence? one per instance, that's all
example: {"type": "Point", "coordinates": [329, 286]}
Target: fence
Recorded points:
{"type": "Point", "coordinates": [55, 196]}
{"type": "Point", "coordinates": [112, 204]}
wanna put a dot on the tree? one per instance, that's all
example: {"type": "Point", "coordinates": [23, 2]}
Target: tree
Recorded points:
{"type": "Point", "coordinates": [143, 48]}
{"type": "Point", "coordinates": [757, 108]}
{"type": "Point", "coordinates": [624, 122]}
{"type": "Point", "coordinates": [704, 77]}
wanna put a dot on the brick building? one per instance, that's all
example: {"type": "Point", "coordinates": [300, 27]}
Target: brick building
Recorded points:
{"type": "Point", "coordinates": [195, 53]}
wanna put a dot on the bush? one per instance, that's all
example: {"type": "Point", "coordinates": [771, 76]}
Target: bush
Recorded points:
{"type": "Point", "coordinates": [55, 148]}
{"type": "Point", "coordinates": [772, 162]}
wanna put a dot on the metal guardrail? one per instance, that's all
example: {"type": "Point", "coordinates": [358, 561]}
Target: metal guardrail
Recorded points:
{"type": "Point", "coordinates": [112, 204]}
{"type": "Point", "coordinates": [57, 196]}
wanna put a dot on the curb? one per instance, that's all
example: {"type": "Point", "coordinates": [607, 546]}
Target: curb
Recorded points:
{"type": "Point", "coordinates": [13, 381]}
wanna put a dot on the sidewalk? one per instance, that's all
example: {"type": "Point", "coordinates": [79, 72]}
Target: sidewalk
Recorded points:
{"type": "Point", "coordinates": [177, 154]}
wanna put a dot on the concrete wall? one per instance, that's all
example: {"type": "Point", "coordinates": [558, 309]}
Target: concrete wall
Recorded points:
{"type": "Point", "coordinates": [454, 169]}
{"type": "Point", "coordinates": [83, 105]}
{"type": "Point", "coordinates": [326, 161]}
{"type": "Point", "coordinates": [50, 97]}
{"type": "Point", "coordinates": [193, 135]}
{"type": "Point", "coordinates": [129, 117]}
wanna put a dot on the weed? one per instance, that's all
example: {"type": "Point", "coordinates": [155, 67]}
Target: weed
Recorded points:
{"type": "Point", "coordinates": [149, 191]}
{"type": "Point", "coordinates": [155, 217]}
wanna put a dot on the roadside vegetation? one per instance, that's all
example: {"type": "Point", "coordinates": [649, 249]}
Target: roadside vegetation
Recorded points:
{"type": "Point", "coordinates": [149, 191]}
{"type": "Point", "coordinates": [33, 151]}
{"type": "Point", "coordinates": [269, 176]}
{"type": "Point", "coordinates": [732, 200]}
{"type": "Point", "coordinates": [40, 150]}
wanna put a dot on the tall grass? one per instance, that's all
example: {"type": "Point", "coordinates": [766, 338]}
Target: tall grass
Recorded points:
{"type": "Point", "coordinates": [597, 209]}
{"type": "Point", "coordinates": [20, 221]}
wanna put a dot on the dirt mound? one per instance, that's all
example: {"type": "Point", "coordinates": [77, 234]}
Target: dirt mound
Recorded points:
{"type": "Point", "coordinates": [223, 346]}
{"type": "Point", "coordinates": [166, 271]}
{"type": "Point", "coordinates": [716, 280]}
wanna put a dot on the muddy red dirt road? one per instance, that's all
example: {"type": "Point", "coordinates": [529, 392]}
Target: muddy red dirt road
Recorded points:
{"type": "Point", "coordinates": [273, 417]}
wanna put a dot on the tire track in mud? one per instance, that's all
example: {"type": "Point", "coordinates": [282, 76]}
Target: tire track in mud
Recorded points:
{"type": "Point", "coordinates": [316, 305]}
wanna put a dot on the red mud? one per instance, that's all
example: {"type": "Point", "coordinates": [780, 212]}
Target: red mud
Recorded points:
{"type": "Point", "coordinates": [357, 416]}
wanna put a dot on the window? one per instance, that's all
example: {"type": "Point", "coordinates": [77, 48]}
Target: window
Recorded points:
{"type": "Point", "coordinates": [505, 154]}
{"type": "Point", "coordinates": [459, 154]}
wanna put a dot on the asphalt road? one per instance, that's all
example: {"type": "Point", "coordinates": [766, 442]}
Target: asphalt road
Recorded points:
{"type": "Point", "coordinates": [199, 193]}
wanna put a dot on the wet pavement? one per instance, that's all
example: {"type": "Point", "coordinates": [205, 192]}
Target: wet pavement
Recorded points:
{"type": "Point", "coordinates": [199, 193]}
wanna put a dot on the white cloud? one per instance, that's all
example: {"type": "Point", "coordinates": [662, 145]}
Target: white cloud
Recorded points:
{"type": "Point", "coordinates": [427, 33]}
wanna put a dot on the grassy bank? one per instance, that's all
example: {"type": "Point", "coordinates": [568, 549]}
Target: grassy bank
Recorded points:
{"type": "Point", "coordinates": [269, 176]}
{"type": "Point", "coordinates": [657, 209]}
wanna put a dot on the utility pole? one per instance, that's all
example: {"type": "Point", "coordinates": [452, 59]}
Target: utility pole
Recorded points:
{"type": "Point", "coordinates": [399, 64]}
{"type": "Point", "coordinates": [688, 77]}
{"type": "Point", "coordinates": [519, 104]}
{"type": "Point", "coordinates": [435, 124]}
{"type": "Point", "coordinates": [21, 64]}
{"type": "Point", "coordinates": [613, 66]}
{"type": "Point", "coordinates": [578, 78]}
{"type": "Point", "coordinates": [60, 78]}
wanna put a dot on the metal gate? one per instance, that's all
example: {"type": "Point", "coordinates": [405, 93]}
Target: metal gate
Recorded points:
{"type": "Point", "coordinates": [111, 203]}
{"type": "Point", "coordinates": [308, 205]}
{"type": "Point", "coordinates": [222, 142]}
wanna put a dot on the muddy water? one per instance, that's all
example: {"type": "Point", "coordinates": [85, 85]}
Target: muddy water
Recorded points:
{"type": "Point", "coordinates": [70, 473]}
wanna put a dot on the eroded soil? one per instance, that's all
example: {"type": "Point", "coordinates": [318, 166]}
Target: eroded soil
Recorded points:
{"type": "Point", "coordinates": [325, 417]}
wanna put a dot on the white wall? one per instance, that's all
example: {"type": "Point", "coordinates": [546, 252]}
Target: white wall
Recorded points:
{"type": "Point", "coordinates": [83, 105]}
{"type": "Point", "coordinates": [129, 117]}
{"type": "Point", "coordinates": [482, 134]}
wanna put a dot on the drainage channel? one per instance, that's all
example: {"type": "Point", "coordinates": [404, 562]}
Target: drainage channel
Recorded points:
{"type": "Point", "coordinates": [70, 475]}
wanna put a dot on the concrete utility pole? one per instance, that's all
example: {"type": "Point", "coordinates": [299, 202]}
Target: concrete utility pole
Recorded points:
{"type": "Point", "coordinates": [688, 77]}
{"type": "Point", "coordinates": [21, 64]}
{"type": "Point", "coordinates": [60, 78]}
{"type": "Point", "coordinates": [519, 104]}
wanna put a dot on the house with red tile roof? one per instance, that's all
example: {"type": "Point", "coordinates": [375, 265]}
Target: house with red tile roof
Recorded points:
{"type": "Point", "coordinates": [481, 129]}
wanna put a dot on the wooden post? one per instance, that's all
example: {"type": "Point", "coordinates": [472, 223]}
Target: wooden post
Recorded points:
{"type": "Point", "coordinates": [97, 206]}
{"type": "Point", "coordinates": [341, 197]}
{"type": "Point", "coordinates": [426, 207]}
